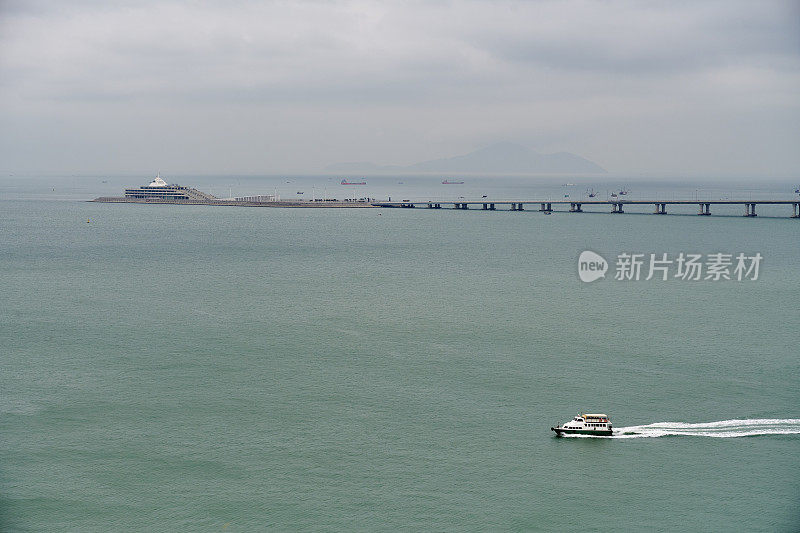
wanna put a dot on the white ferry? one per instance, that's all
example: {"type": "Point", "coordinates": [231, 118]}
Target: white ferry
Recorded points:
{"type": "Point", "coordinates": [586, 424]}
{"type": "Point", "coordinates": [158, 189]}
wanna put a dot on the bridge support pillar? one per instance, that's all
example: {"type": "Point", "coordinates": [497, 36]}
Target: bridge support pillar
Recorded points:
{"type": "Point", "coordinates": [430, 205]}
{"type": "Point", "coordinates": [575, 208]}
{"type": "Point", "coordinates": [616, 207]}
{"type": "Point", "coordinates": [795, 210]}
{"type": "Point", "coordinates": [491, 207]}
{"type": "Point", "coordinates": [750, 210]}
{"type": "Point", "coordinates": [519, 207]}
{"type": "Point", "coordinates": [543, 207]}
{"type": "Point", "coordinates": [485, 207]}
{"type": "Point", "coordinates": [661, 209]}
{"type": "Point", "coordinates": [705, 209]}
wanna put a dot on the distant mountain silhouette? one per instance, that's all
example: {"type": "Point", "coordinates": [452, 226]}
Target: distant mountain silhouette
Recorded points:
{"type": "Point", "coordinates": [500, 158]}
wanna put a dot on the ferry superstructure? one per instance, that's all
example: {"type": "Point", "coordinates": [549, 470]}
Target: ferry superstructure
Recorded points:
{"type": "Point", "coordinates": [161, 190]}
{"type": "Point", "coordinates": [586, 424]}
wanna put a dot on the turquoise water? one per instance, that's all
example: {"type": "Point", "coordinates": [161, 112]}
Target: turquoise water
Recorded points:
{"type": "Point", "coordinates": [206, 369]}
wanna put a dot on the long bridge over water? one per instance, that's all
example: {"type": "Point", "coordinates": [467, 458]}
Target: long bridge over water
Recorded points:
{"type": "Point", "coordinates": [576, 206]}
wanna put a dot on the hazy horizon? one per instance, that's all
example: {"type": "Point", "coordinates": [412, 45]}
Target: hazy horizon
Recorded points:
{"type": "Point", "coordinates": [706, 89]}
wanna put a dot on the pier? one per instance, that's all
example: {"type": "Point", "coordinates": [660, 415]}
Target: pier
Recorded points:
{"type": "Point", "coordinates": [318, 203]}
{"type": "Point", "coordinates": [576, 206]}
{"type": "Point", "coordinates": [548, 206]}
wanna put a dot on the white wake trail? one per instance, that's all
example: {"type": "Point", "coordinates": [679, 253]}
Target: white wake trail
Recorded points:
{"type": "Point", "coordinates": [720, 429]}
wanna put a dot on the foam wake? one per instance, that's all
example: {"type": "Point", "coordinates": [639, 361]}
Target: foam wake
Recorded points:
{"type": "Point", "coordinates": [722, 429]}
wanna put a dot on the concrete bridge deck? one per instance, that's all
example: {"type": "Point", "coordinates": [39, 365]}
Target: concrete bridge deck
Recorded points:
{"type": "Point", "coordinates": [576, 206]}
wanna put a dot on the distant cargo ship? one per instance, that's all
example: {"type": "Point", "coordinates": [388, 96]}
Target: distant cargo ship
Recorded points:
{"type": "Point", "coordinates": [345, 182]}
{"type": "Point", "coordinates": [446, 182]}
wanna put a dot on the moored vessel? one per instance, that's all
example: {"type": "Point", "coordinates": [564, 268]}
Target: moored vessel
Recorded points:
{"type": "Point", "coordinates": [345, 182]}
{"type": "Point", "coordinates": [586, 424]}
{"type": "Point", "coordinates": [158, 189]}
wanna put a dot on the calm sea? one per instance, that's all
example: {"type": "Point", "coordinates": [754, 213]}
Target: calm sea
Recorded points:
{"type": "Point", "coordinates": [193, 368]}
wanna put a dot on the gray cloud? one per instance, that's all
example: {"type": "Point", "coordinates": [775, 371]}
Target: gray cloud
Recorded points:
{"type": "Point", "coordinates": [650, 37]}
{"type": "Point", "coordinates": [292, 86]}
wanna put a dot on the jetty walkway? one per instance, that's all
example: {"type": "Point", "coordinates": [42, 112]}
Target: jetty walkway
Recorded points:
{"type": "Point", "coordinates": [235, 203]}
{"type": "Point", "coordinates": [576, 206]}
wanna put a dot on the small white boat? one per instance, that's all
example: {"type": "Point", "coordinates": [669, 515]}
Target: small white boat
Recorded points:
{"type": "Point", "coordinates": [586, 424]}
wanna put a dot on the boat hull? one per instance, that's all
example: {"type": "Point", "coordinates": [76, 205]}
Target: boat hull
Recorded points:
{"type": "Point", "coordinates": [561, 432]}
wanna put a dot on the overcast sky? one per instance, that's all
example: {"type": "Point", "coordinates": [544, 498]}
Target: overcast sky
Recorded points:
{"type": "Point", "coordinates": [681, 88]}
